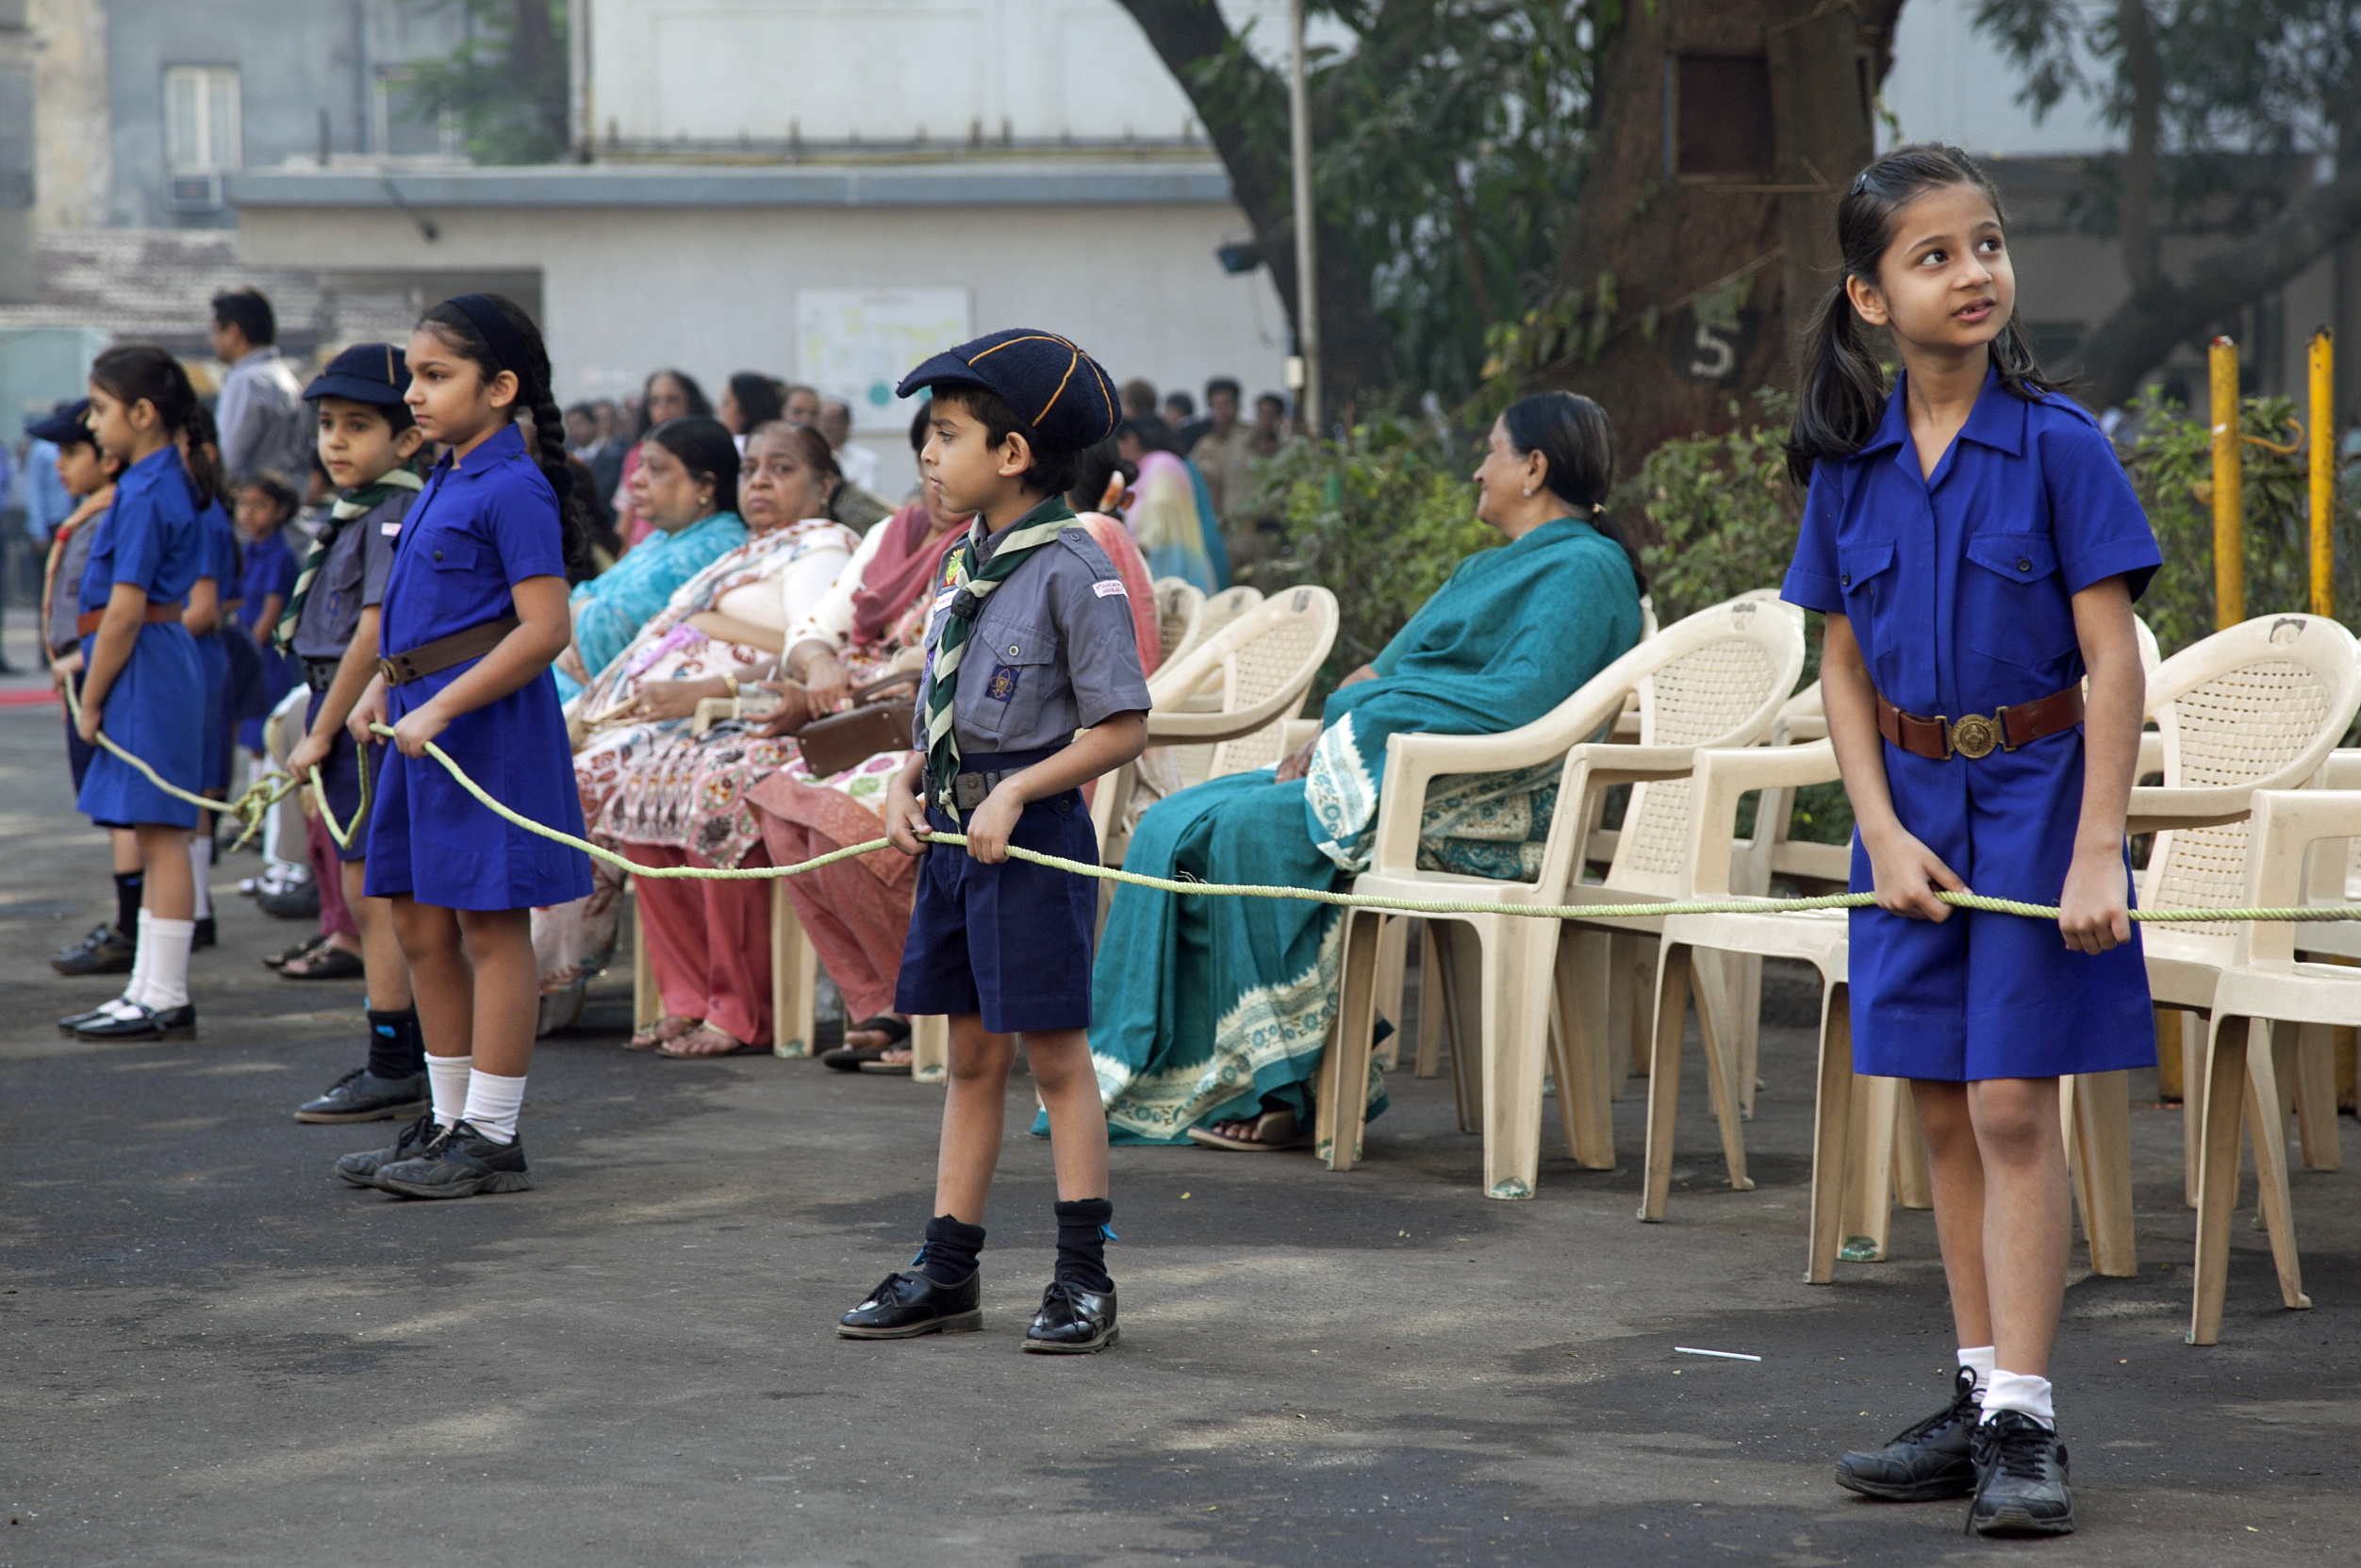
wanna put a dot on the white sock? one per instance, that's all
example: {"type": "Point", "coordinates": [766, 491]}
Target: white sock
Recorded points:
{"type": "Point", "coordinates": [168, 970]}
{"type": "Point", "coordinates": [1978, 1359]}
{"type": "Point", "coordinates": [134, 987]}
{"type": "Point", "coordinates": [493, 1103]}
{"type": "Point", "coordinates": [447, 1086]}
{"type": "Point", "coordinates": [2021, 1391]}
{"type": "Point", "coordinates": [201, 872]}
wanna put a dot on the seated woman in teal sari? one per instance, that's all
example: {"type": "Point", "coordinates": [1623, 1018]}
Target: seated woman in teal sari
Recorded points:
{"type": "Point", "coordinates": [1208, 1014]}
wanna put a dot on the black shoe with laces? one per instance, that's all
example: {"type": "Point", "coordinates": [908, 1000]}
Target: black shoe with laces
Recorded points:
{"type": "Point", "coordinates": [1929, 1461]}
{"type": "Point", "coordinates": [361, 1169]}
{"type": "Point", "coordinates": [1072, 1321]}
{"type": "Point", "coordinates": [361, 1095]}
{"type": "Point", "coordinates": [105, 951]}
{"type": "Point", "coordinates": [910, 1303]}
{"type": "Point", "coordinates": [2021, 1479]}
{"type": "Point", "coordinates": [460, 1163]}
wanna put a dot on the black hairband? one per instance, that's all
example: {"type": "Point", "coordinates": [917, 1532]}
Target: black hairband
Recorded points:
{"type": "Point", "coordinates": [510, 350]}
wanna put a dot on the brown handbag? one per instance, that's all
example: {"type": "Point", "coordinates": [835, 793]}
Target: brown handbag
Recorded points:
{"type": "Point", "coordinates": [847, 739]}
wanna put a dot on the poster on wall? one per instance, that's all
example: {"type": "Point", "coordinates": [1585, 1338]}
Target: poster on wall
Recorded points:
{"type": "Point", "coordinates": [856, 343]}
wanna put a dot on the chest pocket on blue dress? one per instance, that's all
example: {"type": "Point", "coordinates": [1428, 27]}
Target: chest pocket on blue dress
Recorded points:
{"type": "Point", "coordinates": [451, 552]}
{"type": "Point", "coordinates": [2014, 607]}
{"type": "Point", "coordinates": [1865, 573]}
{"type": "Point", "coordinates": [1009, 676]}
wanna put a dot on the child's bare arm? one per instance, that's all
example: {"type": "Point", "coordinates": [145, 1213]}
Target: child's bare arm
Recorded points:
{"type": "Point", "coordinates": [2094, 909]}
{"type": "Point", "coordinates": [1906, 872]}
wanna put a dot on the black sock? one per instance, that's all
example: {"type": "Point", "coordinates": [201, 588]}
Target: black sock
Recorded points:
{"type": "Point", "coordinates": [128, 886]}
{"type": "Point", "coordinates": [396, 1049]}
{"type": "Point", "coordinates": [1083, 1243]}
{"type": "Point", "coordinates": [952, 1250]}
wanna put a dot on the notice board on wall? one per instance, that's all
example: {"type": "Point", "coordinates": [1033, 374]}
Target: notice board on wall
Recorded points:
{"type": "Point", "coordinates": [857, 343]}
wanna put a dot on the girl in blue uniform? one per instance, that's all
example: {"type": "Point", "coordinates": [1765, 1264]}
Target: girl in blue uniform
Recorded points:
{"type": "Point", "coordinates": [143, 681]}
{"type": "Point", "coordinates": [1976, 549]}
{"type": "Point", "coordinates": [473, 614]}
{"type": "Point", "coordinates": [217, 582]}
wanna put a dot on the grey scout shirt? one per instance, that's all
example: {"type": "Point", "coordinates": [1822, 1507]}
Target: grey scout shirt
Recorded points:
{"type": "Point", "coordinates": [1053, 651]}
{"type": "Point", "coordinates": [351, 579]}
{"type": "Point", "coordinates": [62, 601]}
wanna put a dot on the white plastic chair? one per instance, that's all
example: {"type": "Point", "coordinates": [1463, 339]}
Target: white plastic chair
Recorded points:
{"type": "Point", "coordinates": [1179, 613]}
{"type": "Point", "coordinates": [1716, 679]}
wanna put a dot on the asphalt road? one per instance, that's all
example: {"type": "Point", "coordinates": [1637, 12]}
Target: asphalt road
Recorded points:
{"type": "Point", "coordinates": [212, 1353]}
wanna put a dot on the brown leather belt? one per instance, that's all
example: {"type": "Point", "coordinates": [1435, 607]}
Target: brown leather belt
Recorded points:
{"type": "Point", "coordinates": [1978, 735]}
{"type": "Point", "coordinates": [88, 622]}
{"type": "Point", "coordinates": [441, 654]}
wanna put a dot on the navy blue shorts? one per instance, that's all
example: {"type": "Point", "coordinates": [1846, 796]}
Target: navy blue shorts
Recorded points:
{"type": "Point", "coordinates": [1010, 941]}
{"type": "Point", "coordinates": [340, 780]}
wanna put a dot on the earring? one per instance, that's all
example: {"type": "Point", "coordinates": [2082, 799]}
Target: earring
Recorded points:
{"type": "Point", "coordinates": [1529, 492]}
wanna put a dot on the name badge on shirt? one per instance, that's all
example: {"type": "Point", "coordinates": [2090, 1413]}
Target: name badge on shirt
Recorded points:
{"type": "Point", "coordinates": [390, 530]}
{"type": "Point", "coordinates": [1110, 588]}
{"type": "Point", "coordinates": [1002, 687]}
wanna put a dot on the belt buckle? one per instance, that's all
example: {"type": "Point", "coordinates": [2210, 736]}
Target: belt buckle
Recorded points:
{"type": "Point", "coordinates": [968, 790]}
{"type": "Point", "coordinates": [1975, 736]}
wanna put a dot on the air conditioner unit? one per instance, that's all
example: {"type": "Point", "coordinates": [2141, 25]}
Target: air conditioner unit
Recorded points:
{"type": "Point", "coordinates": [193, 192]}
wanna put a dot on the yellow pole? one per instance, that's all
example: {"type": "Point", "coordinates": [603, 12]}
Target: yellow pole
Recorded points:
{"type": "Point", "coordinates": [2323, 433]}
{"type": "Point", "coordinates": [2229, 544]}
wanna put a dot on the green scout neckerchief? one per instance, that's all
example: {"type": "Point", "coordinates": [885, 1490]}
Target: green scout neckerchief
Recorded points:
{"type": "Point", "coordinates": [351, 504]}
{"type": "Point", "coordinates": [976, 576]}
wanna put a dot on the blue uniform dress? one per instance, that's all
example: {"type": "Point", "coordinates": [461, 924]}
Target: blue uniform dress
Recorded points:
{"type": "Point", "coordinates": [220, 564]}
{"type": "Point", "coordinates": [266, 567]}
{"type": "Point", "coordinates": [155, 708]}
{"type": "Point", "coordinates": [478, 529]}
{"type": "Point", "coordinates": [1957, 587]}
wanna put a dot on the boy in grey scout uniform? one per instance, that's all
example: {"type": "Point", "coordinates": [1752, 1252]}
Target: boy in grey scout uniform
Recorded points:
{"type": "Point", "coordinates": [1033, 687]}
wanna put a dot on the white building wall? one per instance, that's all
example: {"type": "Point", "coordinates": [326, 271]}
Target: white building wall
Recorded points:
{"type": "Point", "coordinates": [1951, 82]}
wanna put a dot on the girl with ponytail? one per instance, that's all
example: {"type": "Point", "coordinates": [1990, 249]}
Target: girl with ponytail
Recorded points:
{"type": "Point", "coordinates": [1976, 549]}
{"type": "Point", "coordinates": [474, 611]}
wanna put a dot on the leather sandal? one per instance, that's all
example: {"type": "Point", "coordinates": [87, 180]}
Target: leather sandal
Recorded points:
{"type": "Point", "coordinates": [1273, 1131]}
{"type": "Point", "coordinates": [326, 961]}
{"type": "Point", "coordinates": [301, 949]}
{"type": "Point", "coordinates": [669, 1027]}
{"type": "Point", "coordinates": [735, 1047]}
{"type": "Point", "coordinates": [851, 1059]}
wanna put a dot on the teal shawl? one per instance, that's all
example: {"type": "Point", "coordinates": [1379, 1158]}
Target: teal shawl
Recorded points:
{"type": "Point", "coordinates": [610, 609]}
{"type": "Point", "coordinates": [1208, 1009]}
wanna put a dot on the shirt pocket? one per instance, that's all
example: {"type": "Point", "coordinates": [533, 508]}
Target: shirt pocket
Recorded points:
{"type": "Point", "coordinates": [452, 553]}
{"type": "Point", "coordinates": [1871, 587]}
{"type": "Point", "coordinates": [1005, 682]}
{"type": "Point", "coordinates": [2014, 603]}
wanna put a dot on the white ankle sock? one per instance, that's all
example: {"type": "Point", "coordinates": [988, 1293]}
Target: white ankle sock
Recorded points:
{"type": "Point", "coordinates": [168, 969]}
{"type": "Point", "coordinates": [447, 1083]}
{"type": "Point", "coordinates": [134, 987]}
{"type": "Point", "coordinates": [2021, 1391]}
{"type": "Point", "coordinates": [493, 1103]}
{"type": "Point", "coordinates": [201, 872]}
{"type": "Point", "coordinates": [1978, 1359]}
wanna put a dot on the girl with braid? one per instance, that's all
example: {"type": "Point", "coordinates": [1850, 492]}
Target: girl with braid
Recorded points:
{"type": "Point", "coordinates": [474, 611]}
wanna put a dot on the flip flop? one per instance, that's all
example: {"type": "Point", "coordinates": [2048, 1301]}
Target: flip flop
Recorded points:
{"type": "Point", "coordinates": [888, 1069]}
{"type": "Point", "coordinates": [1274, 1130]}
{"type": "Point", "coordinates": [656, 1033]}
{"type": "Point", "coordinates": [324, 963]}
{"type": "Point", "coordinates": [737, 1048]}
{"type": "Point", "coordinates": [280, 960]}
{"type": "Point", "coordinates": [847, 1059]}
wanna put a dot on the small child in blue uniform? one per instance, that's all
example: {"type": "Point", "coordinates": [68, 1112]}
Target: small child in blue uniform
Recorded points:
{"type": "Point", "coordinates": [142, 682]}
{"type": "Point", "coordinates": [1029, 643]}
{"type": "Point", "coordinates": [474, 612]}
{"type": "Point", "coordinates": [217, 579]}
{"type": "Point", "coordinates": [367, 443]}
{"type": "Point", "coordinates": [1976, 549]}
{"type": "Point", "coordinates": [266, 578]}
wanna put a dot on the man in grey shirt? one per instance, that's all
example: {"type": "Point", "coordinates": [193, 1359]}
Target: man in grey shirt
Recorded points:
{"type": "Point", "coordinates": [264, 426]}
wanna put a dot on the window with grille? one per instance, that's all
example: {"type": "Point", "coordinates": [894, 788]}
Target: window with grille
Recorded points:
{"type": "Point", "coordinates": [201, 131]}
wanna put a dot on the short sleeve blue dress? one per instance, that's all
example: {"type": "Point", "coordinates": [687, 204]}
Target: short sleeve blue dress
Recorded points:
{"type": "Point", "coordinates": [1959, 588]}
{"type": "Point", "coordinates": [478, 528]}
{"type": "Point", "coordinates": [155, 708]}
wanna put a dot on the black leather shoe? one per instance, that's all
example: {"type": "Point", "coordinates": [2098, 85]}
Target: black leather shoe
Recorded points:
{"type": "Point", "coordinates": [204, 936]}
{"type": "Point", "coordinates": [1929, 1461]}
{"type": "Point", "coordinates": [361, 1095]}
{"type": "Point", "coordinates": [299, 903]}
{"type": "Point", "coordinates": [1072, 1321]}
{"type": "Point", "coordinates": [908, 1304]}
{"type": "Point", "coordinates": [112, 1006]}
{"type": "Point", "coordinates": [460, 1163]}
{"type": "Point", "coordinates": [361, 1169]}
{"type": "Point", "coordinates": [103, 952]}
{"type": "Point", "coordinates": [2021, 1479]}
{"type": "Point", "coordinates": [145, 1023]}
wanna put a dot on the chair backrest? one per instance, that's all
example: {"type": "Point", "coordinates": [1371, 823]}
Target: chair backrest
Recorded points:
{"type": "Point", "coordinates": [2258, 706]}
{"type": "Point", "coordinates": [1179, 616]}
{"type": "Point", "coordinates": [1265, 656]}
{"type": "Point", "coordinates": [1226, 606]}
{"type": "Point", "coordinates": [1721, 678]}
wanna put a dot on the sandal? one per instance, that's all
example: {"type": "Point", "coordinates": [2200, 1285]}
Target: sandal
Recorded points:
{"type": "Point", "coordinates": [884, 1069]}
{"type": "Point", "coordinates": [731, 1045]}
{"type": "Point", "coordinates": [301, 949]}
{"type": "Point", "coordinates": [663, 1032]}
{"type": "Point", "coordinates": [1268, 1133]}
{"type": "Point", "coordinates": [327, 962]}
{"type": "Point", "coordinates": [848, 1059]}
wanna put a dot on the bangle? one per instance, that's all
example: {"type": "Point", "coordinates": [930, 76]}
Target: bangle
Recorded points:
{"type": "Point", "coordinates": [732, 681]}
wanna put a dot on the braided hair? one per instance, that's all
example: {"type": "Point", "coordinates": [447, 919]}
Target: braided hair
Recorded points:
{"type": "Point", "coordinates": [450, 322]}
{"type": "Point", "coordinates": [141, 372]}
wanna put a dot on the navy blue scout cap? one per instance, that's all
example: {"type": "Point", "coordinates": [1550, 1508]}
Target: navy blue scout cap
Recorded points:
{"type": "Point", "coordinates": [62, 426]}
{"type": "Point", "coordinates": [366, 372]}
{"type": "Point", "coordinates": [1052, 385]}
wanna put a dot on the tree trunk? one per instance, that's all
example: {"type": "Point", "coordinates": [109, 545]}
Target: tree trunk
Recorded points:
{"type": "Point", "coordinates": [1692, 284]}
{"type": "Point", "coordinates": [1189, 35]}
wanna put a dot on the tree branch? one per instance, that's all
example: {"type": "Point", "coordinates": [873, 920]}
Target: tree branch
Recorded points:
{"type": "Point", "coordinates": [2145, 70]}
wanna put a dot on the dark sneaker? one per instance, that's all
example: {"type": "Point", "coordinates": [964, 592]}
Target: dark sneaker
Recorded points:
{"type": "Point", "coordinates": [103, 952]}
{"type": "Point", "coordinates": [1929, 1461]}
{"type": "Point", "coordinates": [141, 1023]}
{"type": "Point", "coordinates": [361, 1169]}
{"type": "Point", "coordinates": [2021, 1479]}
{"type": "Point", "coordinates": [361, 1095]}
{"type": "Point", "coordinates": [908, 1304]}
{"type": "Point", "coordinates": [1072, 1321]}
{"type": "Point", "coordinates": [460, 1163]}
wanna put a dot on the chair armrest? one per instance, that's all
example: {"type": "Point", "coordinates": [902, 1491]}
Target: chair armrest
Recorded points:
{"type": "Point", "coordinates": [1721, 777]}
{"type": "Point", "coordinates": [1412, 762]}
{"type": "Point", "coordinates": [712, 711]}
{"type": "Point", "coordinates": [1297, 733]}
{"type": "Point", "coordinates": [2150, 755]}
{"type": "Point", "coordinates": [2286, 823]}
{"type": "Point", "coordinates": [2342, 770]}
{"type": "Point", "coordinates": [2154, 809]}
{"type": "Point", "coordinates": [1206, 729]}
